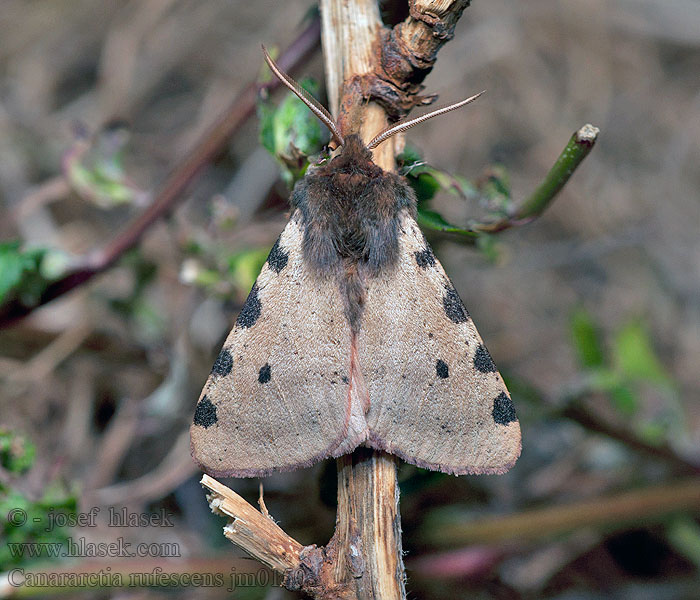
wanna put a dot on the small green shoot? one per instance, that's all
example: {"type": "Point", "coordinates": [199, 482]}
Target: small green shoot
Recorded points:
{"type": "Point", "coordinates": [94, 166]}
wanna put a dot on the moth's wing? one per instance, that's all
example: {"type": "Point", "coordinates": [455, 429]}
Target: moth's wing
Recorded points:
{"type": "Point", "coordinates": [436, 398]}
{"type": "Point", "coordinates": [278, 395]}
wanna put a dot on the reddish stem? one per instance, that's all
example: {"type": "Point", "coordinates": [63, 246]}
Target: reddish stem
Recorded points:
{"type": "Point", "coordinates": [207, 149]}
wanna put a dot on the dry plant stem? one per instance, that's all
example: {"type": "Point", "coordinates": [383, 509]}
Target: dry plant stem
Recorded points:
{"type": "Point", "coordinates": [368, 527]}
{"type": "Point", "coordinates": [256, 533]}
{"type": "Point", "coordinates": [368, 532]}
{"type": "Point", "coordinates": [208, 148]}
{"type": "Point", "coordinates": [407, 53]}
{"type": "Point", "coordinates": [349, 31]}
{"type": "Point", "coordinates": [629, 507]}
{"type": "Point", "coordinates": [430, 24]}
{"type": "Point", "coordinates": [305, 568]}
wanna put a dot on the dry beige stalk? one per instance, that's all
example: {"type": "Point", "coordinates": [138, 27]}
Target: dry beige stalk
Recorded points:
{"type": "Point", "coordinates": [368, 532]}
{"type": "Point", "coordinates": [253, 531]}
{"type": "Point", "coordinates": [363, 560]}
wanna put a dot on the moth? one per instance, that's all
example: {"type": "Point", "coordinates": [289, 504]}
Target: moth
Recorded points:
{"type": "Point", "coordinates": [353, 334]}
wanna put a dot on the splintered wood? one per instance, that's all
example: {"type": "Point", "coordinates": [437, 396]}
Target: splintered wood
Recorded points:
{"type": "Point", "coordinates": [249, 529]}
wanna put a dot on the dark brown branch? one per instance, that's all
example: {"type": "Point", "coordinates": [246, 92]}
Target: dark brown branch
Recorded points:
{"type": "Point", "coordinates": [406, 54]}
{"type": "Point", "coordinates": [207, 149]}
{"type": "Point", "coordinates": [575, 411]}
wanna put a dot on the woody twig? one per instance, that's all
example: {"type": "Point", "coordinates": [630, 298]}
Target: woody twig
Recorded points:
{"type": "Point", "coordinates": [636, 506]}
{"type": "Point", "coordinates": [579, 146]}
{"type": "Point", "coordinates": [401, 56]}
{"type": "Point", "coordinates": [368, 531]}
{"type": "Point", "coordinates": [305, 568]}
{"type": "Point", "coordinates": [253, 531]}
{"type": "Point", "coordinates": [363, 560]}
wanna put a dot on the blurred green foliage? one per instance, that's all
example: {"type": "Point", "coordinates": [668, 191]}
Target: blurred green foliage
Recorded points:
{"type": "Point", "coordinates": [145, 318]}
{"type": "Point", "coordinates": [586, 340]}
{"type": "Point", "coordinates": [17, 453]}
{"type": "Point", "coordinates": [492, 192]}
{"type": "Point", "coordinates": [95, 168]}
{"type": "Point", "coordinates": [244, 266]}
{"type": "Point", "coordinates": [23, 520]}
{"type": "Point", "coordinates": [623, 369]}
{"type": "Point", "coordinates": [684, 534]}
{"type": "Point", "coordinates": [222, 272]}
{"type": "Point", "coordinates": [427, 181]}
{"type": "Point", "coordinates": [26, 272]}
{"type": "Point", "coordinates": [291, 132]}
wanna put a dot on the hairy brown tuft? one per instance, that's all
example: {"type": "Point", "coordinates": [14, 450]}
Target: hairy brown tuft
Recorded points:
{"type": "Point", "coordinates": [350, 210]}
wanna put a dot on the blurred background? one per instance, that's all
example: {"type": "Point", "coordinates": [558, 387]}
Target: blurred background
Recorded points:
{"type": "Point", "coordinates": [592, 312]}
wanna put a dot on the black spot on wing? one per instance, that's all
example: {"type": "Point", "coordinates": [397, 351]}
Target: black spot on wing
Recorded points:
{"type": "Point", "coordinates": [205, 413]}
{"type": "Point", "coordinates": [454, 308]}
{"type": "Point", "coordinates": [265, 373]}
{"type": "Point", "coordinates": [425, 258]}
{"type": "Point", "coordinates": [251, 309]}
{"type": "Point", "coordinates": [223, 364]}
{"type": "Point", "coordinates": [443, 371]}
{"type": "Point", "coordinates": [277, 260]}
{"type": "Point", "coordinates": [483, 361]}
{"type": "Point", "coordinates": [503, 410]}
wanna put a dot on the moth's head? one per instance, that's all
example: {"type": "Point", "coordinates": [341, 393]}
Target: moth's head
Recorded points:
{"type": "Point", "coordinates": [338, 139]}
{"type": "Point", "coordinates": [352, 165]}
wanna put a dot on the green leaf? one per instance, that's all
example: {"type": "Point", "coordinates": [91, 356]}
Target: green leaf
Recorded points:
{"type": "Point", "coordinates": [425, 186]}
{"type": "Point", "coordinates": [434, 220]}
{"type": "Point", "coordinates": [586, 339]}
{"type": "Point", "coordinates": [23, 272]}
{"type": "Point", "coordinates": [291, 132]}
{"type": "Point", "coordinates": [95, 168]}
{"type": "Point", "coordinates": [622, 396]}
{"type": "Point", "coordinates": [426, 181]}
{"type": "Point", "coordinates": [489, 247]}
{"type": "Point", "coordinates": [266, 117]}
{"type": "Point", "coordinates": [653, 432]}
{"type": "Point", "coordinates": [634, 355]}
{"type": "Point", "coordinates": [17, 455]}
{"type": "Point", "coordinates": [604, 379]}
{"type": "Point", "coordinates": [409, 159]}
{"type": "Point", "coordinates": [495, 189]}
{"type": "Point", "coordinates": [624, 399]}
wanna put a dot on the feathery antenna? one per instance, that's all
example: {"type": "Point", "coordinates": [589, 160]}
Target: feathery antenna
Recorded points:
{"type": "Point", "coordinates": [404, 125]}
{"type": "Point", "coordinates": [315, 106]}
